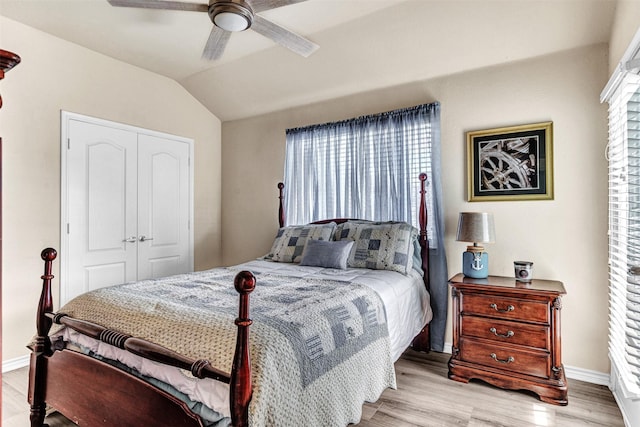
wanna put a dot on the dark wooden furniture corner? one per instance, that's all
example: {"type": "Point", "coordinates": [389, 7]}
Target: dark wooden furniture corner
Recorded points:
{"type": "Point", "coordinates": [8, 60]}
{"type": "Point", "coordinates": [507, 333]}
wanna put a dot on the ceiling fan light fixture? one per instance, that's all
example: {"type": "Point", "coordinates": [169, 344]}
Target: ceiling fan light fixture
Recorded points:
{"type": "Point", "coordinates": [230, 21]}
{"type": "Point", "coordinates": [231, 15]}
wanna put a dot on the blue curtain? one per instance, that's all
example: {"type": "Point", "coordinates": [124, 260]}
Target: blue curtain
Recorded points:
{"type": "Point", "coordinates": [368, 168]}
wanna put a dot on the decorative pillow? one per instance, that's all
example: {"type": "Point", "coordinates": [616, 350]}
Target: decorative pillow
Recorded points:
{"type": "Point", "coordinates": [417, 256]}
{"type": "Point", "coordinates": [331, 254]}
{"type": "Point", "coordinates": [350, 224]}
{"type": "Point", "coordinates": [290, 241]}
{"type": "Point", "coordinates": [379, 245]}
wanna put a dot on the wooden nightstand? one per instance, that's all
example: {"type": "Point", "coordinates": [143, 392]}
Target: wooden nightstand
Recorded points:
{"type": "Point", "coordinates": [507, 333]}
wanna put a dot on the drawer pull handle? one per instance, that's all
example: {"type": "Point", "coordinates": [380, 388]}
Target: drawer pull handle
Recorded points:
{"type": "Point", "coordinates": [510, 359]}
{"type": "Point", "coordinates": [508, 309]}
{"type": "Point", "coordinates": [509, 334]}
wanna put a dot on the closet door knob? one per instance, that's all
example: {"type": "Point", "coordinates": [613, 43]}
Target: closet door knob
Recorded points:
{"type": "Point", "coordinates": [131, 239]}
{"type": "Point", "coordinates": [145, 238]}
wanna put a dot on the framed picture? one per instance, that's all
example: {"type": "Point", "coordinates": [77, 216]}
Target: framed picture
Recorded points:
{"type": "Point", "coordinates": [510, 163]}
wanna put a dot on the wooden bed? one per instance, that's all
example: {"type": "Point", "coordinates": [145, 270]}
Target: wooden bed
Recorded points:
{"type": "Point", "coordinates": [91, 392]}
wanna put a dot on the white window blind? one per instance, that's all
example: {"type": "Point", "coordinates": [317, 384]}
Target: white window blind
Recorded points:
{"type": "Point", "coordinates": [624, 230]}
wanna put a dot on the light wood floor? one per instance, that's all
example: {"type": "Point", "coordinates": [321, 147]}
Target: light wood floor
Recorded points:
{"type": "Point", "coordinates": [425, 397]}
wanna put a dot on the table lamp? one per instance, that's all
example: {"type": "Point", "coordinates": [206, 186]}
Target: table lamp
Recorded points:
{"type": "Point", "coordinates": [475, 227]}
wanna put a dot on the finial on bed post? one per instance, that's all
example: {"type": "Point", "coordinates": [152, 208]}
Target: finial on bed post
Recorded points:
{"type": "Point", "coordinates": [240, 385]}
{"type": "Point", "coordinates": [281, 207]}
{"type": "Point", "coordinates": [42, 344]}
{"type": "Point", "coordinates": [43, 323]}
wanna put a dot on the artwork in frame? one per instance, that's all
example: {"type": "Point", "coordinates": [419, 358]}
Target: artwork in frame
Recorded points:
{"type": "Point", "coordinates": [510, 163]}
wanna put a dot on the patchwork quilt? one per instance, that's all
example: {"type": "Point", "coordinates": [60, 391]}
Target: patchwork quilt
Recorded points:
{"type": "Point", "coordinates": [319, 348]}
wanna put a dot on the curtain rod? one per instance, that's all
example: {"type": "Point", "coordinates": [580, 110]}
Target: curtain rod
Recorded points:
{"type": "Point", "coordinates": [435, 104]}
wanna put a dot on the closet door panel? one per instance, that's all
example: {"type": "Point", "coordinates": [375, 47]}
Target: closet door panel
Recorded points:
{"type": "Point", "coordinates": [102, 208]}
{"type": "Point", "coordinates": [163, 207]}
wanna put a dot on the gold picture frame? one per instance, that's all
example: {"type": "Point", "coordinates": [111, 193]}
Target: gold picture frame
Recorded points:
{"type": "Point", "coordinates": [510, 163]}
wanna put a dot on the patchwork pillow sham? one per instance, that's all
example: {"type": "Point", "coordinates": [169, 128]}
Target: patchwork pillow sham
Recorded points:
{"type": "Point", "coordinates": [379, 245]}
{"type": "Point", "coordinates": [331, 254]}
{"type": "Point", "coordinates": [291, 241]}
{"type": "Point", "coordinates": [417, 256]}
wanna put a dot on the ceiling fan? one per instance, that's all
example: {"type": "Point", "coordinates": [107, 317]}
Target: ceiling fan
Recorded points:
{"type": "Point", "coordinates": [231, 16]}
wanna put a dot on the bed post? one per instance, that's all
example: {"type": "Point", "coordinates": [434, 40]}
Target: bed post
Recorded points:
{"type": "Point", "coordinates": [240, 385]}
{"type": "Point", "coordinates": [423, 220]}
{"type": "Point", "coordinates": [422, 342]}
{"type": "Point", "coordinates": [42, 345]}
{"type": "Point", "coordinates": [281, 207]}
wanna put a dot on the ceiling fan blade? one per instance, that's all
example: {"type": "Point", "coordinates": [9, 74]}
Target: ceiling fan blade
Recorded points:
{"type": "Point", "coordinates": [284, 37]}
{"type": "Point", "coordinates": [161, 4]}
{"type": "Point", "coordinates": [262, 5]}
{"type": "Point", "coordinates": [216, 44]}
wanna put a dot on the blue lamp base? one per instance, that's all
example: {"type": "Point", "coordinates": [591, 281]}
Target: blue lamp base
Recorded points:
{"type": "Point", "coordinates": [475, 264]}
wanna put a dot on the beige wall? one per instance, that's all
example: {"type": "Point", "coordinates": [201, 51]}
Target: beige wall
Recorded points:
{"type": "Point", "coordinates": [625, 26]}
{"type": "Point", "coordinates": [56, 75]}
{"type": "Point", "coordinates": [565, 238]}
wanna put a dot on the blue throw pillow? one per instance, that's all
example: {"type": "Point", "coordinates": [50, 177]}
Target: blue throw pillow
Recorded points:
{"type": "Point", "coordinates": [328, 254]}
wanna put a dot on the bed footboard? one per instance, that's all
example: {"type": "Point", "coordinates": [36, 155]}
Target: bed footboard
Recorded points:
{"type": "Point", "coordinates": [92, 392]}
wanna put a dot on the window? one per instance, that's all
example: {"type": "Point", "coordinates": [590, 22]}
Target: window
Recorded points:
{"type": "Point", "coordinates": [366, 167]}
{"type": "Point", "coordinates": [623, 154]}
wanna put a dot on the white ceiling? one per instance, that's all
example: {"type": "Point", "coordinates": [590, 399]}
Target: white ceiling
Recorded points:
{"type": "Point", "coordinates": [364, 44]}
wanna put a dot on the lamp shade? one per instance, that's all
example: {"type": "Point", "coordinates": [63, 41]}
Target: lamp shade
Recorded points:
{"type": "Point", "coordinates": [476, 227]}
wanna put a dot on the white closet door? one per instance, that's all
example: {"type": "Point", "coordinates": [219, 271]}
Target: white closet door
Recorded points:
{"type": "Point", "coordinates": [163, 207]}
{"type": "Point", "coordinates": [126, 203]}
{"type": "Point", "coordinates": [102, 207]}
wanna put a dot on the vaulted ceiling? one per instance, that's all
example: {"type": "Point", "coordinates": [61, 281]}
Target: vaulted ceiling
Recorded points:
{"type": "Point", "coordinates": [364, 44]}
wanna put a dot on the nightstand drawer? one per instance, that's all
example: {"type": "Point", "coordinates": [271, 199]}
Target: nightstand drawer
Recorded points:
{"type": "Point", "coordinates": [505, 331]}
{"type": "Point", "coordinates": [505, 308]}
{"type": "Point", "coordinates": [535, 363]}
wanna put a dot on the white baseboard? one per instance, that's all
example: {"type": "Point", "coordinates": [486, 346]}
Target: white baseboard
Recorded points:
{"type": "Point", "coordinates": [572, 372]}
{"type": "Point", "coordinates": [587, 375]}
{"type": "Point", "coordinates": [17, 363]}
